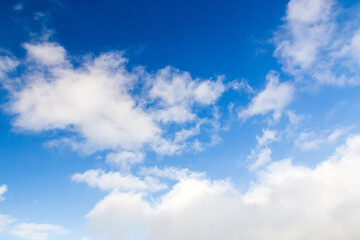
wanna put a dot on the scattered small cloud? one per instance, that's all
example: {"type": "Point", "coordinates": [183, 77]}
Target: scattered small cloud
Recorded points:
{"type": "Point", "coordinates": [274, 98]}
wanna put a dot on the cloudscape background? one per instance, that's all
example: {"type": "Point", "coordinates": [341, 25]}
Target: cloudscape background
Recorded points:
{"type": "Point", "coordinates": [180, 120]}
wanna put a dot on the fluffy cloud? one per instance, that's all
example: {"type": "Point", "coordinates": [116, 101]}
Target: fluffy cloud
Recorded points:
{"type": "Point", "coordinates": [32, 231]}
{"type": "Point", "coordinates": [46, 53]}
{"type": "Point", "coordinates": [286, 202]}
{"type": "Point", "coordinates": [274, 98]}
{"type": "Point", "coordinates": [101, 105]}
{"type": "Point", "coordinates": [318, 42]}
{"type": "Point", "coordinates": [177, 92]}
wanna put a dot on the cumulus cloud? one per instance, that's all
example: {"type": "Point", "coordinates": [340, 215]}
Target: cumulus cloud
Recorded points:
{"type": "Point", "coordinates": [97, 102]}
{"type": "Point", "coordinates": [33, 231]}
{"type": "Point", "coordinates": [318, 42]}
{"type": "Point", "coordinates": [274, 98]}
{"type": "Point", "coordinates": [46, 53]}
{"type": "Point", "coordinates": [286, 202]}
{"type": "Point", "coordinates": [177, 92]}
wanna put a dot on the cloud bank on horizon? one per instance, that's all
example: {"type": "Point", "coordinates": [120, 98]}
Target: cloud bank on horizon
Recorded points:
{"type": "Point", "coordinates": [101, 104]}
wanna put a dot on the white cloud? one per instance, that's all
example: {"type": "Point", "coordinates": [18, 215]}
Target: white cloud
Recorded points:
{"type": "Point", "coordinates": [261, 154]}
{"type": "Point", "coordinates": [318, 42]}
{"type": "Point", "coordinates": [313, 140]}
{"type": "Point", "coordinates": [286, 202]}
{"type": "Point", "coordinates": [274, 98]}
{"type": "Point", "coordinates": [3, 189]}
{"type": "Point", "coordinates": [268, 137]}
{"type": "Point", "coordinates": [125, 159]}
{"type": "Point", "coordinates": [178, 92]}
{"type": "Point", "coordinates": [33, 231]}
{"type": "Point", "coordinates": [7, 64]}
{"type": "Point", "coordinates": [241, 85]}
{"type": "Point", "coordinates": [47, 53]}
{"type": "Point", "coordinates": [116, 181]}
{"type": "Point", "coordinates": [96, 106]}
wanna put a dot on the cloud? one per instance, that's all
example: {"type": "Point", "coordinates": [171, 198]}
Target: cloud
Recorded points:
{"type": "Point", "coordinates": [46, 53]}
{"type": "Point", "coordinates": [177, 92]}
{"type": "Point", "coordinates": [286, 202]}
{"type": "Point", "coordinates": [241, 85]}
{"type": "Point", "coordinates": [125, 159]}
{"type": "Point", "coordinates": [32, 231]}
{"type": "Point", "coordinates": [101, 105]}
{"type": "Point", "coordinates": [268, 137]}
{"type": "Point", "coordinates": [3, 189]}
{"type": "Point", "coordinates": [274, 98]}
{"type": "Point", "coordinates": [261, 154]}
{"type": "Point", "coordinates": [7, 64]}
{"type": "Point", "coordinates": [313, 140]}
{"type": "Point", "coordinates": [318, 42]}
{"type": "Point", "coordinates": [116, 181]}
{"type": "Point", "coordinates": [24, 230]}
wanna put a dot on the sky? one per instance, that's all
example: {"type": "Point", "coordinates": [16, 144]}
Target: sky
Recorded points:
{"type": "Point", "coordinates": [183, 120]}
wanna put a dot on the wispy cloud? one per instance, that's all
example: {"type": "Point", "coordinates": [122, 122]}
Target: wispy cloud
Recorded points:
{"type": "Point", "coordinates": [318, 42]}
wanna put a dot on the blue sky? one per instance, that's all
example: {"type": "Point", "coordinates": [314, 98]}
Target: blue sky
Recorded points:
{"type": "Point", "coordinates": [179, 120]}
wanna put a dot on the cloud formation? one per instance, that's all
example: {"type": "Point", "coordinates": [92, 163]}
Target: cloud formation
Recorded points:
{"type": "Point", "coordinates": [286, 202]}
{"type": "Point", "coordinates": [318, 42]}
{"type": "Point", "coordinates": [101, 105]}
